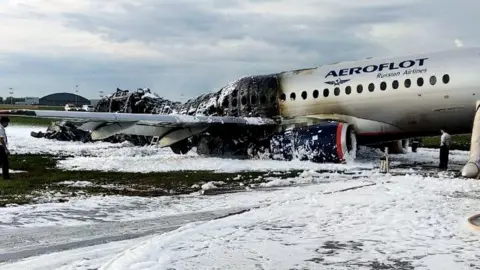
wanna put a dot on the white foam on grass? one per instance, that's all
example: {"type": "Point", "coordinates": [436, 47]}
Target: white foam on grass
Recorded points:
{"type": "Point", "coordinates": [125, 157]}
{"type": "Point", "coordinates": [412, 219]}
{"type": "Point", "coordinates": [82, 210]}
{"type": "Point", "coordinates": [21, 142]}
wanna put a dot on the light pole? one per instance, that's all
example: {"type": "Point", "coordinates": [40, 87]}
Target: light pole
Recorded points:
{"type": "Point", "coordinates": [11, 94]}
{"type": "Point", "coordinates": [76, 93]}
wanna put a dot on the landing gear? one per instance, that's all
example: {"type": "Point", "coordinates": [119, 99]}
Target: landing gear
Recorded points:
{"type": "Point", "coordinates": [415, 143]}
{"type": "Point", "coordinates": [258, 150]}
{"type": "Point", "coordinates": [208, 145]}
{"type": "Point", "coordinates": [182, 147]}
{"type": "Point", "coordinates": [214, 145]}
{"type": "Point", "coordinates": [203, 145]}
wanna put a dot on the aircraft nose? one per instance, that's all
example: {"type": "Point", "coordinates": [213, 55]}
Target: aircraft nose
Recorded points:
{"type": "Point", "coordinates": [470, 170]}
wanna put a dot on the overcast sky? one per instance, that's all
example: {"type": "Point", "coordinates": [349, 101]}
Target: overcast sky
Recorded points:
{"type": "Point", "coordinates": [188, 47]}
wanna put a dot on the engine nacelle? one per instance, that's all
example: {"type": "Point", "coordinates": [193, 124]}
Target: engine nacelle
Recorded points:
{"type": "Point", "coordinates": [326, 142]}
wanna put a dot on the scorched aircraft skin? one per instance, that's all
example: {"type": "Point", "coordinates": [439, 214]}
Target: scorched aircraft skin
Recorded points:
{"type": "Point", "coordinates": [320, 114]}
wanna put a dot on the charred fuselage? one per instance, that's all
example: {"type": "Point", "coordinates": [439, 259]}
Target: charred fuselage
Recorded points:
{"type": "Point", "coordinates": [260, 96]}
{"type": "Point", "coordinates": [253, 96]}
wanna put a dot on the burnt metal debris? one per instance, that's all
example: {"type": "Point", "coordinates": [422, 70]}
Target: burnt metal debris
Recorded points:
{"type": "Point", "coordinates": [254, 96]}
{"type": "Point", "coordinates": [124, 101]}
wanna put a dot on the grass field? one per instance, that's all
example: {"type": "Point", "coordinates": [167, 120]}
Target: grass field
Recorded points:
{"type": "Point", "coordinates": [30, 107]}
{"type": "Point", "coordinates": [18, 120]}
{"type": "Point", "coordinates": [42, 175]}
{"type": "Point", "coordinates": [30, 121]}
{"type": "Point", "coordinates": [459, 142]}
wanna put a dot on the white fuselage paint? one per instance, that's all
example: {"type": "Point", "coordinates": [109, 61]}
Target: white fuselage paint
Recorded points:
{"type": "Point", "coordinates": [414, 110]}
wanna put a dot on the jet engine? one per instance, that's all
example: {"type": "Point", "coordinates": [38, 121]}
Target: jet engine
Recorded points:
{"type": "Point", "coordinates": [332, 142]}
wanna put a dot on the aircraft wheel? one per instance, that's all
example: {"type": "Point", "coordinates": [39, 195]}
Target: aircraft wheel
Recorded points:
{"type": "Point", "coordinates": [181, 148]}
{"type": "Point", "coordinates": [203, 146]}
{"type": "Point", "coordinates": [217, 146]}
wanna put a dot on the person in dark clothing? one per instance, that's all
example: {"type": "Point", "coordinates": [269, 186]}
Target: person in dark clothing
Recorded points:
{"type": "Point", "coordinates": [4, 152]}
{"type": "Point", "coordinates": [444, 149]}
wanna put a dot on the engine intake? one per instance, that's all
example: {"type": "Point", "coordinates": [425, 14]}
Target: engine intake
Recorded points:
{"type": "Point", "coordinates": [332, 142]}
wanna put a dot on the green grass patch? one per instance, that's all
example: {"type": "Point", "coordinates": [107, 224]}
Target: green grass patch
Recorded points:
{"type": "Point", "coordinates": [42, 175]}
{"type": "Point", "coordinates": [459, 142]}
{"type": "Point", "coordinates": [30, 121]}
{"type": "Point", "coordinates": [30, 107]}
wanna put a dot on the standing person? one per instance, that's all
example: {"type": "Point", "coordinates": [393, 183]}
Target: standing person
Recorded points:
{"type": "Point", "coordinates": [4, 121]}
{"type": "Point", "coordinates": [444, 149]}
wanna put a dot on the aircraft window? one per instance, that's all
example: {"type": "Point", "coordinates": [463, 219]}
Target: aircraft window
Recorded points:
{"type": "Point", "coordinates": [359, 88]}
{"type": "Point", "coordinates": [283, 97]}
{"type": "Point", "coordinates": [271, 85]}
{"type": "Point", "coordinates": [225, 102]}
{"type": "Point", "coordinates": [244, 100]}
{"type": "Point", "coordinates": [446, 78]}
{"type": "Point", "coordinates": [325, 92]}
{"type": "Point", "coordinates": [234, 102]}
{"type": "Point", "coordinates": [371, 87]}
{"type": "Point", "coordinates": [408, 83]}
{"type": "Point", "coordinates": [395, 84]}
{"type": "Point", "coordinates": [433, 80]}
{"type": "Point", "coordinates": [420, 81]}
{"type": "Point", "coordinates": [315, 93]}
{"type": "Point", "coordinates": [383, 86]}
{"type": "Point", "coordinates": [336, 91]}
{"type": "Point", "coordinates": [253, 99]}
{"type": "Point", "coordinates": [263, 99]}
{"type": "Point", "coordinates": [304, 94]}
{"type": "Point", "coordinates": [348, 90]}
{"type": "Point", "coordinates": [292, 96]}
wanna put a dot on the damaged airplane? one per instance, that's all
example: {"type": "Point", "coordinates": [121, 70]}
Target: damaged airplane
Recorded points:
{"type": "Point", "coordinates": [121, 101]}
{"type": "Point", "coordinates": [320, 114]}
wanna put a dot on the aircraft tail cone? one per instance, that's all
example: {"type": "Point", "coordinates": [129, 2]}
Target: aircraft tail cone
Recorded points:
{"type": "Point", "coordinates": [470, 170]}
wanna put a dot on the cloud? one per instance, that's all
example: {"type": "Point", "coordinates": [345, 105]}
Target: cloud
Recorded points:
{"type": "Point", "coordinates": [193, 46]}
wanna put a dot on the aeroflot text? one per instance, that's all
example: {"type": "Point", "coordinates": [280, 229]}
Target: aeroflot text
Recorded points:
{"type": "Point", "coordinates": [376, 68]}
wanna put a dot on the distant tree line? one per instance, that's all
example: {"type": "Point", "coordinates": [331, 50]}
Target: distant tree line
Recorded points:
{"type": "Point", "coordinates": [10, 100]}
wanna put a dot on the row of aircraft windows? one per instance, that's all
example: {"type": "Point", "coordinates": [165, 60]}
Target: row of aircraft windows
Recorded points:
{"type": "Point", "coordinates": [253, 100]}
{"type": "Point", "coordinates": [371, 87]}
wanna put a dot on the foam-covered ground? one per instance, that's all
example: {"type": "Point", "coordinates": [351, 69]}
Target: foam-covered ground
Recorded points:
{"type": "Point", "coordinates": [364, 220]}
{"type": "Point", "coordinates": [125, 157]}
{"type": "Point", "coordinates": [403, 222]}
{"type": "Point", "coordinates": [81, 211]}
{"type": "Point", "coordinates": [374, 222]}
{"type": "Point", "coordinates": [128, 158]}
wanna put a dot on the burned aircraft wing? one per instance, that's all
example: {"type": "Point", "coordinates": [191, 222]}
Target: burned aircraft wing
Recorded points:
{"type": "Point", "coordinates": [172, 120]}
{"type": "Point", "coordinates": [105, 124]}
{"type": "Point", "coordinates": [246, 107]}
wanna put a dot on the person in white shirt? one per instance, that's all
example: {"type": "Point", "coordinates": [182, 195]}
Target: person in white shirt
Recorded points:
{"type": "Point", "coordinates": [445, 140]}
{"type": "Point", "coordinates": [4, 152]}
